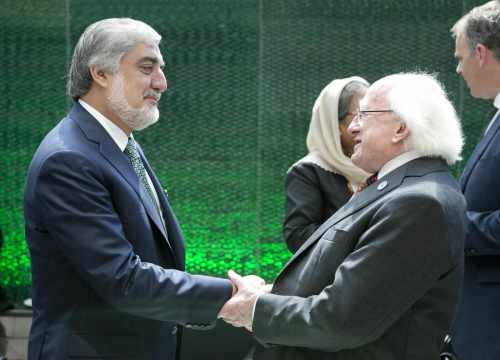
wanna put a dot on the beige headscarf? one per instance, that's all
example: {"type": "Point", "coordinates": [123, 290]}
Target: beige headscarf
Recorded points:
{"type": "Point", "coordinates": [323, 139]}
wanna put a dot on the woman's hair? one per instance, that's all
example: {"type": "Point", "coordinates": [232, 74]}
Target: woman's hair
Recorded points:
{"type": "Point", "coordinates": [352, 89]}
{"type": "Point", "coordinates": [323, 139]}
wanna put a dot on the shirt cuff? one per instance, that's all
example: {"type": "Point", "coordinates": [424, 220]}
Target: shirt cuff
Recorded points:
{"type": "Point", "coordinates": [253, 310]}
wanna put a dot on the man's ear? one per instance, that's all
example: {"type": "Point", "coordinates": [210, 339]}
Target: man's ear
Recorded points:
{"type": "Point", "coordinates": [482, 53]}
{"type": "Point", "coordinates": [401, 133]}
{"type": "Point", "coordinates": [100, 77]}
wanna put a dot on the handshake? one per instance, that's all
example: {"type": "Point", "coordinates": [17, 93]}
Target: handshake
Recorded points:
{"type": "Point", "coordinates": [238, 310]}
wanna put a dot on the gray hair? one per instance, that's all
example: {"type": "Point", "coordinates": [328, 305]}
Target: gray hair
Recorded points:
{"type": "Point", "coordinates": [421, 103]}
{"type": "Point", "coordinates": [350, 90]}
{"type": "Point", "coordinates": [481, 25]}
{"type": "Point", "coordinates": [103, 44]}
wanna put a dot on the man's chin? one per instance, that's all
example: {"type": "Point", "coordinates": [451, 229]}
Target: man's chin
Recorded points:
{"type": "Point", "coordinates": [355, 158]}
{"type": "Point", "coordinates": [145, 124]}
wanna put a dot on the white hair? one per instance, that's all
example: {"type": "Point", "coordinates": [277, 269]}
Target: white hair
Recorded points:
{"type": "Point", "coordinates": [420, 101]}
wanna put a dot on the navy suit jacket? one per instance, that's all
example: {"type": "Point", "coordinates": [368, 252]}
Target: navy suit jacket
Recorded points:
{"type": "Point", "coordinates": [108, 278]}
{"type": "Point", "coordinates": [476, 328]}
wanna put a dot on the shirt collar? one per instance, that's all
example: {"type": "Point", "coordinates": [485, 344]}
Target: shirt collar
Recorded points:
{"type": "Point", "coordinates": [396, 162]}
{"type": "Point", "coordinates": [497, 101]}
{"type": "Point", "coordinates": [117, 134]}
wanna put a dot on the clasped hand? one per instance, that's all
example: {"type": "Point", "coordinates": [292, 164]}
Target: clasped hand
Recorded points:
{"type": "Point", "coordinates": [238, 311]}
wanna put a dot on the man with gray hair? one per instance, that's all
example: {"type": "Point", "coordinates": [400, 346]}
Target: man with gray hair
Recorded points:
{"type": "Point", "coordinates": [477, 50]}
{"type": "Point", "coordinates": [107, 253]}
{"type": "Point", "coordinates": [379, 280]}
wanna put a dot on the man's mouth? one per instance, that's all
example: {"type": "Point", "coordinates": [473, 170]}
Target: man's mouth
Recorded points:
{"type": "Point", "coordinates": [154, 98]}
{"type": "Point", "coordinates": [356, 143]}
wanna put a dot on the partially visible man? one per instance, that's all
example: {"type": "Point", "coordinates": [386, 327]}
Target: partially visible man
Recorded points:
{"type": "Point", "coordinates": [477, 50]}
{"type": "Point", "coordinates": [107, 253]}
{"type": "Point", "coordinates": [380, 278]}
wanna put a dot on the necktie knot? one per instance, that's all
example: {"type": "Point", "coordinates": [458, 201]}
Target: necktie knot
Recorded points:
{"type": "Point", "coordinates": [131, 151]}
{"type": "Point", "coordinates": [370, 180]}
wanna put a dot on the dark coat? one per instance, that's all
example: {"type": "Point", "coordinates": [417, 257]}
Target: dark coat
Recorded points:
{"type": "Point", "coordinates": [107, 274]}
{"type": "Point", "coordinates": [313, 194]}
{"type": "Point", "coordinates": [379, 280]}
{"type": "Point", "coordinates": [476, 329]}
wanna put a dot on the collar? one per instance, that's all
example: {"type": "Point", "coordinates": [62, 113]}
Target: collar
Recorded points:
{"type": "Point", "coordinates": [117, 134]}
{"type": "Point", "coordinates": [396, 162]}
{"type": "Point", "coordinates": [497, 101]}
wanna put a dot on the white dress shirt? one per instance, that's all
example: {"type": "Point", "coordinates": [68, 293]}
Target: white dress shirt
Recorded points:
{"type": "Point", "coordinates": [396, 162]}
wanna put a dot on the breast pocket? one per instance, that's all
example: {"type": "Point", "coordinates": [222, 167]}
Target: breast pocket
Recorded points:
{"type": "Point", "coordinates": [326, 256]}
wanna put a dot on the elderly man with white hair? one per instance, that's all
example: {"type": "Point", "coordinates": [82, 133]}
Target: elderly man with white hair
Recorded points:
{"type": "Point", "coordinates": [380, 278]}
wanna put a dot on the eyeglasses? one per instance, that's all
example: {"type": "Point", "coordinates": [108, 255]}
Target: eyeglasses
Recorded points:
{"type": "Point", "coordinates": [361, 114]}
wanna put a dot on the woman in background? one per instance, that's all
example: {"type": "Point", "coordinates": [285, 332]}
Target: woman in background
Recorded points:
{"type": "Point", "coordinates": [322, 181]}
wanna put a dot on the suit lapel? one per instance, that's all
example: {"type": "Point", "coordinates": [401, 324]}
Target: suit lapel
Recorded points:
{"type": "Point", "coordinates": [478, 152]}
{"type": "Point", "coordinates": [110, 151]}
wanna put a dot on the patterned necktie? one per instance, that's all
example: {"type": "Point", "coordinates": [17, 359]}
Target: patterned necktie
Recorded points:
{"type": "Point", "coordinates": [137, 164]}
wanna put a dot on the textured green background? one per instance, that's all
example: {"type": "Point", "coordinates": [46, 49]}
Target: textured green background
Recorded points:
{"type": "Point", "coordinates": [242, 76]}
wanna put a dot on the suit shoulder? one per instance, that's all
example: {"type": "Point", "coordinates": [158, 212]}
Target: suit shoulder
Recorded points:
{"type": "Point", "coordinates": [428, 192]}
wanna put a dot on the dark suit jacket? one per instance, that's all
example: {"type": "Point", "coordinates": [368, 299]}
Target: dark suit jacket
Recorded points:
{"type": "Point", "coordinates": [379, 280]}
{"type": "Point", "coordinates": [476, 329]}
{"type": "Point", "coordinates": [107, 275]}
{"type": "Point", "coordinates": [312, 196]}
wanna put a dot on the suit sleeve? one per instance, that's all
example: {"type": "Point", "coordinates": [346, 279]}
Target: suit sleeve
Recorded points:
{"type": "Point", "coordinates": [78, 210]}
{"type": "Point", "coordinates": [483, 232]}
{"type": "Point", "coordinates": [483, 210]}
{"type": "Point", "coordinates": [304, 206]}
{"type": "Point", "coordinates": [394, 263]}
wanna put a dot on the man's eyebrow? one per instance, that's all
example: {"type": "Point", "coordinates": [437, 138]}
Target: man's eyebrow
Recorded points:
{"type": "Point", "coordinates": [152, 59]}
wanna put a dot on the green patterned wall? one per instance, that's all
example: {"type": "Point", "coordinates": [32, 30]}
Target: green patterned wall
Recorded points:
{"type": "Point", "coordinates": [242, 77]}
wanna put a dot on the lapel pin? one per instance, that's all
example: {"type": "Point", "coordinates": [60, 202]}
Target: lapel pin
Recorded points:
{"type": "Point", "coordinates": [382, 185]}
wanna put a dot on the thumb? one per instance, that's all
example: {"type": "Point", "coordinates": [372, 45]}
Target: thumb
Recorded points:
{"type": "Point", "coordinates": [235, 278]}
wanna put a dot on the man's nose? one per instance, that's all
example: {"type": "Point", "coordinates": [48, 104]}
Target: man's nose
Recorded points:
{"type": "Point", "coordinates": [159, 81]}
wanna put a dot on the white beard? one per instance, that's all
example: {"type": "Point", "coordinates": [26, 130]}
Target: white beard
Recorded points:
{"type": "Point", "coordinates": [136, 119]}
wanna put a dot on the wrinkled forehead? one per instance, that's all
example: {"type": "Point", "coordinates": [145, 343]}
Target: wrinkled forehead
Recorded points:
{"type": "Point", "coordinates": [380, 89]}
{"type": "Point", "coordinates": [375, 97]}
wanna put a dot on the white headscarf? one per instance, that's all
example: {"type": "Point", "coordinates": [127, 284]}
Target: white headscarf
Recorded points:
{"type": "Point", "coordinates": [323, 139]}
